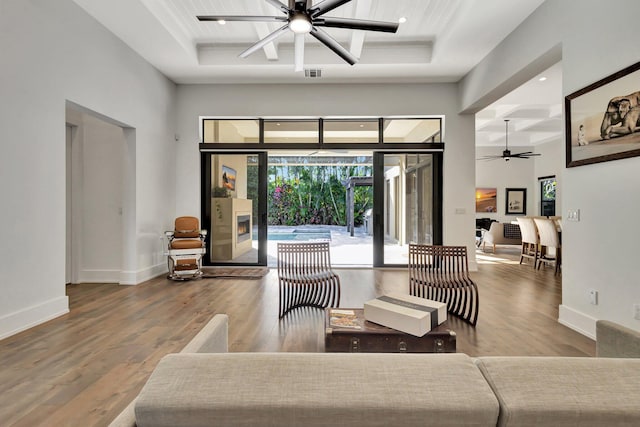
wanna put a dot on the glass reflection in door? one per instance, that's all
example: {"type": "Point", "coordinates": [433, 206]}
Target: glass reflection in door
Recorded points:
{"type": "Point", "coordinates": [233, 235]}
{"type": "Point", "coordinates": [408, 204]}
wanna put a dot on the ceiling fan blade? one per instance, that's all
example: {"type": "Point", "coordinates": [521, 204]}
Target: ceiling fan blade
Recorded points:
{"type": "Point", "coordinates": [357, 24]}
{"type": "Point", "coordinates": [325, 6]}
{"type": "Point", "coordinates": [279, 5]}
{"type": "Point", "coordinates": [204, 18]}
{"type": "Point", "coordinates": [332, 44]}
{"type": "Point", "coordinates": [271, 37]}
{"type": "Point", "coordinates": [519, 156]}
{"type": "Point", "coordinates": [298, 42]}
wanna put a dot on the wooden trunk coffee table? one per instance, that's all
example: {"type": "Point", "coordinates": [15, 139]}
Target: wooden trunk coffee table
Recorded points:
{"type": "Point", "coordinates": [361, 336]}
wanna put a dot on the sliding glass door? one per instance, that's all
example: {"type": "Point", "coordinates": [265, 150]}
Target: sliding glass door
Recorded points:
{"type": "Point", "coordinates": [234, 207]}
{"type": "Point", "coordinates": [407, 204]}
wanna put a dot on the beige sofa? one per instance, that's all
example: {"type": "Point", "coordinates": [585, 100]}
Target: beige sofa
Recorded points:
{"type": "Point", "coordinates": [203, 385]}
{"type": "Point", "coordinates": [495, 236]}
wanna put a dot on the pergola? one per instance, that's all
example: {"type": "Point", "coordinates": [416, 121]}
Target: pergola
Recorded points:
{"type": "Point", "coordinates": [351, 184]}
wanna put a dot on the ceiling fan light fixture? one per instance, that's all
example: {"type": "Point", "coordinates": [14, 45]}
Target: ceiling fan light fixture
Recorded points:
{"type": "Point", "coordinates": [300, 24]}
{"type": "Point", "coordinates": [301, 18]}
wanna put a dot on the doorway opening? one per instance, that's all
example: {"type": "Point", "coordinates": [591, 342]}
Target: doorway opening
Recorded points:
{"type": "Point", "coordinates": [324, 195]}
{"type": "Point", "coordinates": [100, 198]}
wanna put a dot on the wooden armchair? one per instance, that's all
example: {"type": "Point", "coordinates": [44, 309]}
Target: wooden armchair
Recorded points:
{"type": "Point", "coordinates": [305, 277]}
{"type": "Point", "coordinates": [441, 273]}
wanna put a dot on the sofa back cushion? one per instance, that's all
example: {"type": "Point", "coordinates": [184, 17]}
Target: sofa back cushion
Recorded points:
{"type": "Point", "coordinates": [316, 389]}
{"type": "Point", "coordinates": [565, 391]}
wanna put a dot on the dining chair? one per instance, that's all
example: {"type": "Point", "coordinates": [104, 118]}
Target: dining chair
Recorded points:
{"type": "Point", "coordinates": [530, 239]}
{"type": "Point", "coordinates": [550, 246]}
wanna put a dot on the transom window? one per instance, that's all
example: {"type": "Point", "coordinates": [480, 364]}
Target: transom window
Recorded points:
{"type": "Point", "coordinates": [334, 131]}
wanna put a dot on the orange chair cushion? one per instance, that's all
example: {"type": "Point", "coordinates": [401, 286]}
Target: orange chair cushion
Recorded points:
{"type": "Point", "coordinates": [186, 244]}
{"type": "Point", "coordinates": [187, 226]}
{"type": "Point", "coordinates": [186, 264]}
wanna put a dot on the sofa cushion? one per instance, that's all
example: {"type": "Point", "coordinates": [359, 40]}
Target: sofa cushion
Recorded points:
{"type": "Point", "coordinates": [554, 391]}
{"type": "Point", "coordinates": [614, 340]}
{"type": "Point", "coordinates": [316, 389]}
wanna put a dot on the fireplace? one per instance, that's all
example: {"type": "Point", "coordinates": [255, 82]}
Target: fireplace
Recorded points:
{"type": "Point", "coordinates": [244, 228]}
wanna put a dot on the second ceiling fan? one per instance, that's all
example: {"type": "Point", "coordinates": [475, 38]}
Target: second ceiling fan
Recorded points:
{"type": "Point", "coordinates": [506, 153]}
{"type": "Point", "coordinates": [301, 17]}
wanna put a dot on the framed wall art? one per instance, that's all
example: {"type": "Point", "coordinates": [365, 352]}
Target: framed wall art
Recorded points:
{"type": "Point", "coordinates": [486, 200]}
{"type": "Point", "coordinates": [228, 178]}
{"type": "Point", "coordinates": [603, 119]}
{"type": "Point", "coordinates": [516, 201]}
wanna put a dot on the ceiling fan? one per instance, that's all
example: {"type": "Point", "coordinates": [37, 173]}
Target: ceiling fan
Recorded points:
{"type": "Point", "coordinates": [301, 17]}
{"type": "Point", "coordinates": [506, 153]}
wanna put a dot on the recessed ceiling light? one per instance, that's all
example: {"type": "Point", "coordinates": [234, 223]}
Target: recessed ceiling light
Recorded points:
{"type": "Point", "coordinates": [542, 79]}
{"type": "Point", "coordinates": [221, 21]}
{"type": "Point", "coordinates": [402, 20]}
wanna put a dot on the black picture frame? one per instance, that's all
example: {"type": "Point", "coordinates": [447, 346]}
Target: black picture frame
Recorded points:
{"type": "Point", "coordinates": [602, 120]}
{"type": "Point", "coordinates": [516, 201]}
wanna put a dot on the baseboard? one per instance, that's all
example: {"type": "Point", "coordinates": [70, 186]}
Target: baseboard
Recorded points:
{"type": "Point", "coordinates": [29, 317]}
{"type": "Point", "coordinates": [139, 276]}
{"type": "Point", "coordinates": [98, 276]}
{"type": "Point", "coordinates": [579, 322]}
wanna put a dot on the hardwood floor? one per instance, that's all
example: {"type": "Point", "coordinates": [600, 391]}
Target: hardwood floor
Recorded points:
{"type": "Point", "coordinates": [83, 368]}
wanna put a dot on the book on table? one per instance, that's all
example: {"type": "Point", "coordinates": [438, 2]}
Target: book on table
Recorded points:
{"type": "Point", "coordinates": [343, 319]}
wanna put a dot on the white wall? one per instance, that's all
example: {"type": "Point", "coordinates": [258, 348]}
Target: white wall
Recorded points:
{"type": "Point", "coordinates": [53, 52]}
{"type": "Point", "coordinates": [353, 99]}
{"type": "Point", "coordinates": [599, 251]}
{"type": "Point", "coordinates": [499, 174]}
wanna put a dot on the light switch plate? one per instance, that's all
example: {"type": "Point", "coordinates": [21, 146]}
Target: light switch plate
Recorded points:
{"type": "Point", "coordinates": [573, 215]}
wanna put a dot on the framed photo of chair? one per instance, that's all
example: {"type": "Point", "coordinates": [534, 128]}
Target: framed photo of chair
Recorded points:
{"type": "Point", "coordinates": [516, 201]}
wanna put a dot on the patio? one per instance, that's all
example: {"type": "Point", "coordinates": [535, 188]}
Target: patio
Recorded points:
{"type": "Point", "coordinates": [346, 251]}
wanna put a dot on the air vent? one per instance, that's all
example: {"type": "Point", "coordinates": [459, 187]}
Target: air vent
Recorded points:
{"type": "Point", "coordinates": [313, 73]}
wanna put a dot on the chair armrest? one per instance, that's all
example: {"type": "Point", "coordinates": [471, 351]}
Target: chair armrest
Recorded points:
{"type": "Point", "coordinates": [213, 338]}
{"type": "Point", "coordinates": [613, 340]}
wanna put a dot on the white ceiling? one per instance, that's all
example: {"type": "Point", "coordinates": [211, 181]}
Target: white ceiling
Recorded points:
{"type": "Point", "coordinates": [534, 111]}
{"type": "Point", "coordinates": [441, 41]}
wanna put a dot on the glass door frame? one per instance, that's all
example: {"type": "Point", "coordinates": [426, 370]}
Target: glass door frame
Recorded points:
{"type": "Point", "coordinates": [379, 219]}
{"type": "Point", "coordinates": [205, 202]}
